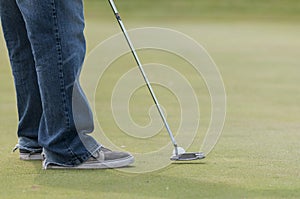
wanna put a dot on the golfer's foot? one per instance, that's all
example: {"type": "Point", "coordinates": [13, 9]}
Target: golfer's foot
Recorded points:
{"type": "Point", "coordinates": [101, 159]}
{"type": "Point", "coordinates": [30, 155]}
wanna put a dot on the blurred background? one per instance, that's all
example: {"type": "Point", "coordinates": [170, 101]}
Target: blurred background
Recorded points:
{"type": "Point", "coordinates": [199, 9]}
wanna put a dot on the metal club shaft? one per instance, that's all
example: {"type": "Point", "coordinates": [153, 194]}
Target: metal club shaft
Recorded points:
{"type": "Point", "coordinates": [114, 8]}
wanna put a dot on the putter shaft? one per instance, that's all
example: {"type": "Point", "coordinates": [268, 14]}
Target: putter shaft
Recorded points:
{"type": "Point", "coordinates": [117, 15]}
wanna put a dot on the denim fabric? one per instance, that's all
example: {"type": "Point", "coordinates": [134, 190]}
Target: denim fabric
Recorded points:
{"type": "Point", "coordinates": [46, 48]}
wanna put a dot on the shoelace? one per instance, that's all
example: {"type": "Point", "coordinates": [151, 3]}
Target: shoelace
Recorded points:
{"type": "Point", "coordinates": [96, 155]}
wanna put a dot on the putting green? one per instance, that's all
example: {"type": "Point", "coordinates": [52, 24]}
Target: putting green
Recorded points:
{"type": "Point", "coordinates": [257, 155]}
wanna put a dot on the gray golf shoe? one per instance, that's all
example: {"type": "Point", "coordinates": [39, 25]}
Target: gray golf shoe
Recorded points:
{"type": "Point", "coordinates": [102, 159]}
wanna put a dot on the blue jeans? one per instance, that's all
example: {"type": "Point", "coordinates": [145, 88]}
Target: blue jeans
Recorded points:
{"type": "Point", "coordinates": [46, 48]}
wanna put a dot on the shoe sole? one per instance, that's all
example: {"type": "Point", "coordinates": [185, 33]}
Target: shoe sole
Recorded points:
{"type": "Point", "coordinates": [27, 157]}
{"type": "Point", "coordinates": [98, 165]}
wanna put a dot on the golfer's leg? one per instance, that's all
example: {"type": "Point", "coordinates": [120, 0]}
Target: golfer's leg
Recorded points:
{"type": "Point", "coordinates": [23, 68]}
{"type": "Point", "coordinates": [55, 29]}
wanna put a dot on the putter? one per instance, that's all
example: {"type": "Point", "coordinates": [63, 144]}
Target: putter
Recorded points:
{"type": "Point", "coordinates": [179, 153]}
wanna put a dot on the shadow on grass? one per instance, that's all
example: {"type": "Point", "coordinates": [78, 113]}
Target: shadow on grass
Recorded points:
{"type": "Point", "coordinates": [188, 162]}
{"type": "Point", "coordinates": [155, 184]}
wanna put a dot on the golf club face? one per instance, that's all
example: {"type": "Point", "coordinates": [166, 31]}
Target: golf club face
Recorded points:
{"type": "Point", "coordinates": [188, 156]}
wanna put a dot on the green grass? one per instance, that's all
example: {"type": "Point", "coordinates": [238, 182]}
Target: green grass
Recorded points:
{"type": "Point", "coordinates": [197, 10]}
{"type": "Point", "coordinates": [258, 153]}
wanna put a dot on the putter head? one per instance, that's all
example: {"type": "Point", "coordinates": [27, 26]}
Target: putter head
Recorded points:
{"type": "Point", "coordinates": [188, 157]}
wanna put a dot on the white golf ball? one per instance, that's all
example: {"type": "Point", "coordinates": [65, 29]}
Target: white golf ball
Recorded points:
{"type": "Point", "coordinates": [180, 151]}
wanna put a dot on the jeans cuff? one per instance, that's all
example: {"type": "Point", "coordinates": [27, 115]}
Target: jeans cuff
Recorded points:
{"type": "Point", "coordinates": [54, 159]}
{"type": "Point", "coordinates": [28, 145]}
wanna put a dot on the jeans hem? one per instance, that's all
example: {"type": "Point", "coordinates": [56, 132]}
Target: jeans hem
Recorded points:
{"type": "Point", "coordinates": [77, 160]}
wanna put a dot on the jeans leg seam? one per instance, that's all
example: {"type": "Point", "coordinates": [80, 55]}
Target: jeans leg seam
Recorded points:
{"type": "Point", "coordinates": [60, 66]}
{"type": "Point", "coordinates": [62, 83]}
{"type": "Point", "coordinates": [75, 159]}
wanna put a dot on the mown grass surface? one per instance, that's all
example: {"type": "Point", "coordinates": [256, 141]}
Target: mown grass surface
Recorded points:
{"type": "Point", "coordinates": [257, 155]}
{"type": "Point", "coordinates": [197, 10]}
